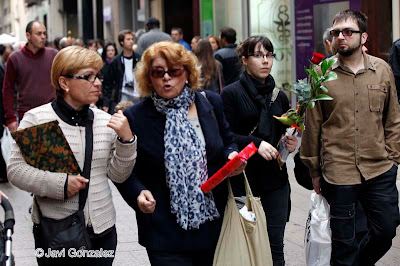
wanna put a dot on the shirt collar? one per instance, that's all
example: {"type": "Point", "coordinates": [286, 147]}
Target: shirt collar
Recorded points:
{"type": "Point", "coordinates": [367, 63]}
{"type": "Point", "coordinates": [70, 115]}
{"type": "Point", "coordinates": [29, 53]}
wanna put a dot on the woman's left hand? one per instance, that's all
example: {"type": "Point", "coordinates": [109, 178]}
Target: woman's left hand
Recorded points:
{"type": "Point", "coordinates": [241, 168]}
{"type": "Point", "coordinates": [291, 143]}
{"type": "Point", "coordinates": [120, 124]}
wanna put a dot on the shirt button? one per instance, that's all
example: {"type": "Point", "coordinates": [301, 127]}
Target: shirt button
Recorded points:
{"type": "Point", "coordinates": [76, 124]}
{"type": "Point", "coordinates": [357, 129]}
{"type": "Point", "coordinates": [356, 111]}
{"type": "Point", "coordinates": [356, 93]}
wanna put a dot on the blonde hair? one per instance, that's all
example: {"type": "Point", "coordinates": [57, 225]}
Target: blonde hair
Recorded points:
{"type": "Point", "coordinates": [70, 60]}
{"type": "Point", "coordinates": [175, 55]}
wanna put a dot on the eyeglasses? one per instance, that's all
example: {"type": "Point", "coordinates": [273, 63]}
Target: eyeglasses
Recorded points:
{"type": "Point", "coordinates": [261, 55]}
{"type": "Point", "coordinates": [159, 72]}
{"type": "Point", "coordinates": [91, 78]}
{"type": "Point", "coordinates": [345, 32]}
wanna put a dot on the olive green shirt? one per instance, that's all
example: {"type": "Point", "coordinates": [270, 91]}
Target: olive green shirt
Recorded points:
{"type": "Point", "coordinates": [358, 132]}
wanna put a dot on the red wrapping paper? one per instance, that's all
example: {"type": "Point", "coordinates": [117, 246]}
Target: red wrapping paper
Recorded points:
{"type": "Point", "coordinates": [229, 167]}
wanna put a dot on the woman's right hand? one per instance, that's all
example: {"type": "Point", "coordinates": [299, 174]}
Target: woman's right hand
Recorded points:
{"type": "Point", "coordinates": [146, 202]}
{"type": "Point", "coordinates": [267, 151]}
{"type": "Point", "coordinates": [75, 183]}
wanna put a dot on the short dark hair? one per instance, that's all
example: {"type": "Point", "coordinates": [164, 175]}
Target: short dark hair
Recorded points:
{"type": "Point", "coordinates": [30, 24]}
{"type": "Point", "coordinates": [152, 23]}
{"type": "Point", "coordinates": [2, 49]}
{"type": "Point", "coordinates": [247, 47]}
{"type": "Point", "coordinates": [229, 34]}
{"type": "Point", "coordinates": [358, 16]}
{"type": "Point", "coordinates": [121, 35]}
{"type": "Point", "coordinates": [178, 29]}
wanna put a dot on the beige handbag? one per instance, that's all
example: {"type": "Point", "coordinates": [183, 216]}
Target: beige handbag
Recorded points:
{"type": "Point", "coordinates": [243, 242]}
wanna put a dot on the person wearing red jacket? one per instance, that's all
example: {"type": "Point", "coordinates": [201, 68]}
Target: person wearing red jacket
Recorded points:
{"type": "Point", "coordinates": [28, 72]}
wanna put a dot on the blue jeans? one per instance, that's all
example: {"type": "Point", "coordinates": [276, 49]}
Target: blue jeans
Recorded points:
{"type": "Point", "coordinates": [379, 199]}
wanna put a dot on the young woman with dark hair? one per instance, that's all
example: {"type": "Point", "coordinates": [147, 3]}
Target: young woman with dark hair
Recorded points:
{"type": "Point", "coordinates": [211, 69]}
{"type": "Point", "coordinates": [249, 106]}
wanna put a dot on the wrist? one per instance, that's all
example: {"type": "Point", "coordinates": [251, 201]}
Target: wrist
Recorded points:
{"type": "Point", "coordinates": [126, 141]}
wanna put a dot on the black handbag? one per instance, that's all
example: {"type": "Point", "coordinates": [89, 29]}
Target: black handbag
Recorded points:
{"type": "Point", "coordinates": [71, 231]}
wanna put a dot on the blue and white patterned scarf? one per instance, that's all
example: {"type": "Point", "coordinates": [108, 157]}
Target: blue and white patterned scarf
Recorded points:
{"type": "Point", "coordinates": [185, 163]}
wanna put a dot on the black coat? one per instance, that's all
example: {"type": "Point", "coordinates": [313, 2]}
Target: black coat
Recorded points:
{"type": "Point", "coordinates": [243, 114]}
{"type": "Point", "coordinates": [159, 230]}
{"type": "Point", "coordinates": [114, 79]}
{"type": "Point", "coordinates": [394, 61]}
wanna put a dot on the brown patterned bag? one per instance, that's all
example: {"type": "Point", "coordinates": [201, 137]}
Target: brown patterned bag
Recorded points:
{"type": "Point", "coordinates": [45, 147]}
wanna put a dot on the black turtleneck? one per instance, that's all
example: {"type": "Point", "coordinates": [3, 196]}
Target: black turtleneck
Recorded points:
{"type": "Point", "coordinates": [71, 116]}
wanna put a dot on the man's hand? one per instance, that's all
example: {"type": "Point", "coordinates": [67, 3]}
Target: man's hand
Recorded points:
{"type": "Point", "coordinates": [75, 183]}
{"type": "Point", "coordinates": [13, 126]}
{"type": "Point", "coordinates": [146, 202]}
{"type": "Point", "coordinates": [291, 143]}
{"type": "Point", "coordinates": [317, 184]}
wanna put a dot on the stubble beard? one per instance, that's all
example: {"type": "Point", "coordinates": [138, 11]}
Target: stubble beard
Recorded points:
{"type": "Point", "coordinates": [349, 51]}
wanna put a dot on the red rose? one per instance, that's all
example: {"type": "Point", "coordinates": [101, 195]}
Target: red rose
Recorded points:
{"type": "Point", "coordinates": [317, 58]}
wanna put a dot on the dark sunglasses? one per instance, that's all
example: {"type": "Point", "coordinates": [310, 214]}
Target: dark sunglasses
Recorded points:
{"type": "Point", "coordinates": [159, 72]}
{"type": "Point", "coordinates": [91, 78]}
{"type": "Point", "coordinates": [345, 32]}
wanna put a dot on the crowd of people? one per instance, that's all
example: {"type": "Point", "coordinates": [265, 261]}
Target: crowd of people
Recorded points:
{"type": "Point", "coordinates": [161, 116]}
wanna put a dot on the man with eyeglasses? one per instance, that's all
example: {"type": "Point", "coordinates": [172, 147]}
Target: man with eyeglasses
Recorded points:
{"type": "Point", "coordinates": [28, 72]}
{"type": "Point", "coordinates": [351, 146]}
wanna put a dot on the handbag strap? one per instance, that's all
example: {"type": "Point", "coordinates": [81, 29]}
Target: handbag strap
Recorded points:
{"type": "Point", "coordinates": [83, 193]}
{"type": "Point", "coordinates": [249, 193]}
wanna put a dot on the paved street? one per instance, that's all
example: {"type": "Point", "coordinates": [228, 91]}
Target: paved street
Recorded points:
{"type": "Point", "coordinates": [129, 252]}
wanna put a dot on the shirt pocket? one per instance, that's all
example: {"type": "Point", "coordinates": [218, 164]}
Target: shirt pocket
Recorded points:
{"type": "Point", "coordinates": [376, 96]}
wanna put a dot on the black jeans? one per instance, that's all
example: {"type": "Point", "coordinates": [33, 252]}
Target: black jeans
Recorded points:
{"type": "Point", "coordinates": [379, 199]}
{"type": "Point", "coordinates": [183, 258]}
{"type": "Point", "coordinates": [105, 243]}
{"type": "Point", "coordinates": [276, 206]}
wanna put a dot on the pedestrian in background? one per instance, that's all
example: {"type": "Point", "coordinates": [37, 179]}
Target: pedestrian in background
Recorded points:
{"type": "Point", "coordinates": [177, 36]}
{"type": "Point", "coordinates": [194, 42]}
{"type": "Point", "coordinates": [109, 52]}
{"type": "Point", "coordinates": [228, 56]}
{"type": "Point", "coordinates": [250, 104]}
{"type": "Point", "coordinates": [183, 139]}
{"type": "Point", "coordinates": [75, 75]}
{"type": "Point", "coordinates": [153, 35]}
{"type": "Point", "coordinates": [215, 42]}
{"type": "Point", "coordinates": [351, 145]}
{"type": "Point", "coordinates": [211, 69]}
{"type": "Point", "coordinates": [120, 82]}
{"type": "Point", "coordinates": [394, 61]}
{"type": "Point", "coordinates": [27, 72]}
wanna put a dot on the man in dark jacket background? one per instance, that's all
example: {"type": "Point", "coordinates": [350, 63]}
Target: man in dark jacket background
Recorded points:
{"type": "Point", "coordinates": [119, 83]}
{"type": "Point", "coordinates": [394, 62]}
{"type": "Point", "coordinates": [228, 55]}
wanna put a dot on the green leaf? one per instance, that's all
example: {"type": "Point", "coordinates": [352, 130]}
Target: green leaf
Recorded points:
{"type": "Point", "coordinates": [312, 73]}
{"type": "Point", "coordinates": [324, 88]}
{"type": "Point", "coordinates": [321, 97]}
{"type": "Point", "coordinates": [331, 76]}
{"type": "Point", "coordinates": [311, 104]}
{"type": "Point", "coordinates": [324, 67]}
{"type": "Point", "coordinates": [331, 62]}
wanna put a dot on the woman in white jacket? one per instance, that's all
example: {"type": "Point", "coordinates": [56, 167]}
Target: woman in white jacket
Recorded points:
{"type": "Point", "coordinates": [76, 76]}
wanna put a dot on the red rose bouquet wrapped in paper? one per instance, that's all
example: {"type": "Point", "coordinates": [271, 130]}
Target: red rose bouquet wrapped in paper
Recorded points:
{"type": "Point", "coordinates": [308, 91]}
